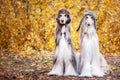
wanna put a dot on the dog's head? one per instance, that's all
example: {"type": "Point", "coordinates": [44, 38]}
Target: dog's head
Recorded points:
{"type": "Point", "coordinates": [63, 17]}
{"type": "Point", "coordinates": [88, 20]}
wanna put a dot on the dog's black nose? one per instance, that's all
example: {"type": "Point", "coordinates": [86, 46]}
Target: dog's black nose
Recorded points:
{"type": "Point", "coordinates": [88, 24]}
{"type": "Point", "coordinates": [61, 20]}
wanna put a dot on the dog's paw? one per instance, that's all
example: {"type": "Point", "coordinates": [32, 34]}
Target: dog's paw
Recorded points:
{"type": "Point", "coordinates": [85, 75]}
{"type": "Point", "coordinates": [70, 71]}
{"type": "Point", "coordinates": [55, 73]}
{"type": "Point", "coordinates": [70, 74]}
{"type": "Point", "coordinates": [98, 75]}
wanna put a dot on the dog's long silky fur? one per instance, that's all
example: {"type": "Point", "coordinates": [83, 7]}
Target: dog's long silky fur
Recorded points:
{"type": "Point", "coordinates": [92, 63]}
{"type": "Point", "coordinates": [64, 59]}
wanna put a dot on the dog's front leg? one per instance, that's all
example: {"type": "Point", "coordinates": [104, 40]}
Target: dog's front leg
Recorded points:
{"type": "Point", "coordinates": [86, 67]}
{"type": "Point", "coordinates": [78, 59]}
{"type": "Point", "coordinates": [70, 65]}
{"type": "Point", "coordinates": [57, 68]}
{"type": "Point", "coordinates": [58, 65]}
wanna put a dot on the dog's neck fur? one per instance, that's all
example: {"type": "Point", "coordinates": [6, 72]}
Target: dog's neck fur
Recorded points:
{"type": "Point", "coordinates": [61, 25]}
{"type": "Point", "coordinates": [67, 33]}
{"type": "Point", "coordinates": [88, 30]}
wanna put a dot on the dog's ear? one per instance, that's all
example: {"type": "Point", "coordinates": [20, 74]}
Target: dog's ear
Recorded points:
{"type": "Point", "coordinates": [57, 19]}
{"type": "Point", "coordinates": [95, 23]}
{"type": "Point", "coordinates": [80, 24]}
{"type": "Point", "coordinates": [68, 20]}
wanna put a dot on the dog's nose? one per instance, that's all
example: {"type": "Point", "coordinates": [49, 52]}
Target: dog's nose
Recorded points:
{"type": "Point", "coordinates": [61, 20]}
{"type": "Point", "coordinates": [88, 24]}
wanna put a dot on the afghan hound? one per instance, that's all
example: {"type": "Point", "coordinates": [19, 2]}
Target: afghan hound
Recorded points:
{"type": "Point", "coordinates": [91, 62]}
{"type": "Point", "coordinates": [64, 59]}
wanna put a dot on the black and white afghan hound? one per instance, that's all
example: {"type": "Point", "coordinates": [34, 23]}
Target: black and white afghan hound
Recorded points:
{"type": "Point", "coordinates": [91, 62]}
{"type": "Point", "coordinates": [64, 59]}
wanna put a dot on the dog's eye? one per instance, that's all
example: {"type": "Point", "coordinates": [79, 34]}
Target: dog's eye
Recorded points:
{"type": "Point", "coordinates": [92, 17]}
{"type": "Point", "coordinates": [59, 15]}
{"type": "Point", "coordinates": [65, 15]}
{"type": "Point", "coordinates": [86, 17]}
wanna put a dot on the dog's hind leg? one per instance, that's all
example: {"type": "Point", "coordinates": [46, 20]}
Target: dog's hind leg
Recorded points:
{"type": "Point", "coordinates": [103, 64]}
{"type": "Point", "coordinates": [95, 66]}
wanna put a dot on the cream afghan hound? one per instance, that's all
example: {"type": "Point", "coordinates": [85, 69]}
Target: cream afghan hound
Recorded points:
{"type": "Point", "coordinates": [91, 61]}
{"type": "Point", "coordinates": [64, 59]}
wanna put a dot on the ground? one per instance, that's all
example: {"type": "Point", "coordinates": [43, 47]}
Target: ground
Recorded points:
{"type": "Point", "coordinates": [15, 67]}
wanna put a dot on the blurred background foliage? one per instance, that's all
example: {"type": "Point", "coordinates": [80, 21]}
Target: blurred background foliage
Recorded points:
{"type": "Point", "coordinates": [28, 26]}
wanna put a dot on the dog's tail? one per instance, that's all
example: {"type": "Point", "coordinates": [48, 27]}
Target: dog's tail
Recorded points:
{"type": "Point", "coordinates": [77, 58]}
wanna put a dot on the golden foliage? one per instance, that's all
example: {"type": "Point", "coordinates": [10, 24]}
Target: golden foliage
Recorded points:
{"type": "Point", "coordinates": [28, 25]}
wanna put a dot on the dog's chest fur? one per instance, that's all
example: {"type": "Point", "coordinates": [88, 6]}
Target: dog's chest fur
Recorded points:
{"type": "Point", "coordinates": [64, 47]}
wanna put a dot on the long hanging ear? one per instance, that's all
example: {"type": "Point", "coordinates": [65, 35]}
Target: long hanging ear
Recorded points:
{"type": "Point", "coordinates": [80, 24]}
{"type": "Point", "coordinates": [68, 20]}
{"type": "Point", "coordinates": [57, 19]}
{"type": "Point", "coordinates": [95, 23]}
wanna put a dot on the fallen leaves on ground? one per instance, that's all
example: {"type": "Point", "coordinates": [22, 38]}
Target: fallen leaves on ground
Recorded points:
{"type": "Point", "coordinates": [13, 66]}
